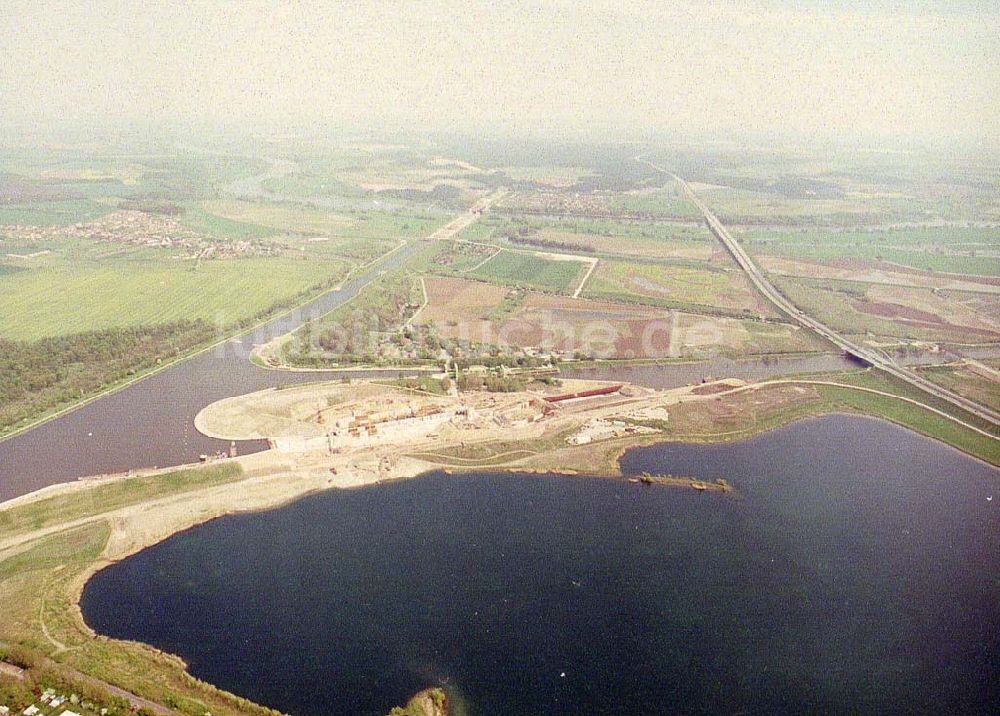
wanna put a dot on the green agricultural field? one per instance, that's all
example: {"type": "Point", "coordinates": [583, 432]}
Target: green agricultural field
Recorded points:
{"type": "Point", "coordinates": [667, 202]}
{"type": "Point", "coordinates": [71, 296]}
{"type": "Point", "coordinates": [517, 269]}
{"type": "Point", "coordinates": [110, 189]}
{"type": "Point", "coordinates": [312, 185]}
{"type": "Point", "coordinates": [282, 217]}
{"type": "Point", "coordinates": [195, 217]}
{"type": "Point", "coordinates": [52, 213]}
{"type": "Point", "coordinates": [198, 172]}
{"type": "Point", "coordinates": [310, 222]}
{"type": "Point", "coordinates": [483, 230]}
{"type": "Point", "coordinates": [963, 237]}
{"type": "Point", "coordinates": [355, 250]}
{"type": "Point", "coordinates": [395, 226]}
{"type": "Point", "coordinates": [315, 233]}
{"type": "Point", "coordinates": [951, 250]}
{"type": "Point", "coordinates": [668, 284]}
{"type": "Point", "coordinates": [354, 235]}
{"type": "Point", "coordinates": [598, 237]}
{"type": "Point", "coordinates": [737, 206]}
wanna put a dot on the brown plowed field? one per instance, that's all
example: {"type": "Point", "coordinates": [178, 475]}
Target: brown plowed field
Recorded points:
{"type": "Point", "coordinates": [465, 311]}
{"type": "Point", "coordinates": [458, 299]}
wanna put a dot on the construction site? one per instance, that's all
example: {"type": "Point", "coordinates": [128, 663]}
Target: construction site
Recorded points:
{"type": "Point", "coordinates": [354, 433]}
{"type": "Point", "coordinates": [333, 418]}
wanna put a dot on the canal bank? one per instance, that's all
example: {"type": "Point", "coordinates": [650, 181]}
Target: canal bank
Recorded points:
{"type": "Point", "coordinates": [150, 423]}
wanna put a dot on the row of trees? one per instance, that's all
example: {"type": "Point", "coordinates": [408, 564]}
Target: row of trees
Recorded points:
{"type": "Point", "coordinates": [491, 382]}
{"type": "Point", "coordinates": [551, 244]}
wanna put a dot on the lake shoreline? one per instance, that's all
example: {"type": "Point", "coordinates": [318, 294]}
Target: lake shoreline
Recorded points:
{"type": "Point", "coordinates": [633, 466]}
{"type": "Point", "coordinates": [270, 480]}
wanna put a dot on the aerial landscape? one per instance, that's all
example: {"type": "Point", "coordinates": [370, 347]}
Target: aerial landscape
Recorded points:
{"type": "Point", "coordinates": [458, 359]}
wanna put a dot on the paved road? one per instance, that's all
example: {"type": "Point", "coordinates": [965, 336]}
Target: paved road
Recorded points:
{"type": "Point", "coordinates": [874, 357]}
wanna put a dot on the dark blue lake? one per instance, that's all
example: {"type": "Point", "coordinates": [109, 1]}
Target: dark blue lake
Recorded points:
{"type": "Point", "coordinates": [855, 570]}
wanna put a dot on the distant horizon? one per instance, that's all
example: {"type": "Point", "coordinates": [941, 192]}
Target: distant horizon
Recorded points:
{"type": "Point", "coordinates": [867, 74]}
{"type": "Point", "coordinates": [13, 135]}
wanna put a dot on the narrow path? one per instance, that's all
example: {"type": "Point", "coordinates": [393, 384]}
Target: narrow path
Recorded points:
{"type": "Point", "coordinates": [138, 702]}
{"type": "Point", "coordinates": [586, 276]}
{"type": "Point", "coordinates": [980, 366]}
{"type": "Point", "coordinates": [456, 461]}
{"type": "Point", "coordinates": [674, 346]}
{"type": "Point", "coordinates": [413, 318]}
{"type": "Point", "coordinates": [484, 261]}
{"type": "Point", "coordinates": [60, 647]}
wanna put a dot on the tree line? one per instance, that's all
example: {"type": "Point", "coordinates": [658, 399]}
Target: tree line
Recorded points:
{"type": "Point", "coordinates": [37, 376]}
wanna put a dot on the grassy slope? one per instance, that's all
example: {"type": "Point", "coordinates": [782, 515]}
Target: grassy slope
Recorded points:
{"type": "Point", "coordinates": [40, 585]}
{"type": "Point", "coordinates": [913, 417]}
{"type": "Point", "coordinates": [967, 382]}
{"type": "Point", "coordinates": [877, 380]}
{"type": "Point", "coordinates": [110, 496]}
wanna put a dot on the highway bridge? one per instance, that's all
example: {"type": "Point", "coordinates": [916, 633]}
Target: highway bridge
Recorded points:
{"type": "Point", "coordinates": [870, 356]}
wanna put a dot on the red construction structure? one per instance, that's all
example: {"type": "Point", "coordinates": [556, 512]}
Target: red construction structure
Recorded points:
{"type": "Point", "coordinates": [593, 392]}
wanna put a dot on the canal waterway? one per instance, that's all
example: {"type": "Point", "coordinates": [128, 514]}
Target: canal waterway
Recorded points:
{"type": "Point", "coordinates": [853, 570]}
{"type": "Point", "coordinates": [151, 423]}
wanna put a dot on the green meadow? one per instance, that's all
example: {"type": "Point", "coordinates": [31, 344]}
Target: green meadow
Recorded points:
{"type": "Point", "coordinates": [69, 297]}
{"type": "Point", "coordinates": [517, 269]}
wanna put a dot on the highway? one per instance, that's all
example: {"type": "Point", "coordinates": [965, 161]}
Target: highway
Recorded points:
{"type": "Point", "coordinates": [871, 356]}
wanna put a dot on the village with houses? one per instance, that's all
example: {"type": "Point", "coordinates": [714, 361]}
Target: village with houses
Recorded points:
{"type": "Point", "coordinates": [52, 703]}
{"type": "Point", "coordinates": [141, 228]}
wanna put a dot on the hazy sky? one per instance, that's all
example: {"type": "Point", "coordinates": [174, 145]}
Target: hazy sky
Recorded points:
{"type": "Point", "coordinates": [881, 69]}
